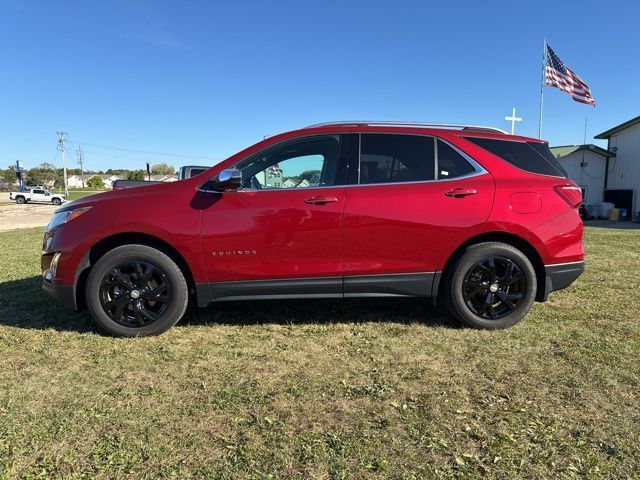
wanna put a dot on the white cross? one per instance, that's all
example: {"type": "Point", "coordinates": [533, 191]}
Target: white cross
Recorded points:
{"type": "Point", "coordinates": [513, 119]}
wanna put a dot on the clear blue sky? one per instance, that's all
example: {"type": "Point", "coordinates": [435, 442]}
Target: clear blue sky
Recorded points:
{"type": "Point", "coordinates": [209, 78]}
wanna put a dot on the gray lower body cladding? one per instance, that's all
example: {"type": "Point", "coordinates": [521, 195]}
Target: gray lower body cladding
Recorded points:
{"type": "Point", "coordinates": [394, 285]}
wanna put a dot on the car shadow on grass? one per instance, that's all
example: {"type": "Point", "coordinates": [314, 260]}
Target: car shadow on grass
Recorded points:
{"type": "Point", "coordinates": [321, 311]}
{"type": "Point", "coordinates": [23, 304]}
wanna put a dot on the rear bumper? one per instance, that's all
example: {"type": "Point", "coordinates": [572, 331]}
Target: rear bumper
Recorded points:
{"type": "Point", "coordinates": [560, 276]}
{"type": "Point", "coordinates": [65, 294]}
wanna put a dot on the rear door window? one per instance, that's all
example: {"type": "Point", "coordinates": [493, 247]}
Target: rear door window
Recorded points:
{"type": "Point", "coordinates": [529, 156]}
{"type": "Point", "coordinates": [389, 158]}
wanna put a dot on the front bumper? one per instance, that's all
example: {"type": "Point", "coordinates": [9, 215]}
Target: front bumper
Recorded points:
{"type": "Point", "coordinates": [65, 294]}
{"type": "Point", "coordinates": [560, 276]}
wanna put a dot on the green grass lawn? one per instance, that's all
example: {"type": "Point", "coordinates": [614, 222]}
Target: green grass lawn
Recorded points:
{"type": "Point", "coordinates": [76, 194]}
{"type": "Point", "coordinates": [326, 389]}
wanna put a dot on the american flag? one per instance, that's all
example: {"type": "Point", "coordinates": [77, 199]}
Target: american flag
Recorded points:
{"type": "Point", "coordinates": [557, 74]}
{"type": "Point", "coordinates": [274, 170]}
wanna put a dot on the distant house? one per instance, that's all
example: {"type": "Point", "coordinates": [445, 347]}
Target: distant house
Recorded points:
{"type": "Point", "coordinates": [622, 175]}
{"type": "Point", "coordinates": [586, 166]}
{"type": "Point", "coordinates": [108, 179]}
{"type": "Point", "coordinates": [164, 178]}
{"type": "Point", "coordinates": [77, 181]}
{"type": "Point", "coordinates": [295, 182]}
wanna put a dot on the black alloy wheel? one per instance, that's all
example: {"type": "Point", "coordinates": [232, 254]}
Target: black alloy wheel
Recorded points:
{"type": "Point", "coordinates": [136, 291]}
{"type": "Point", "coordinates": [490, 285]}
{"type": "Point", "coordinates": [135, 294]}
{"type": "Point", "coordinates": [493, 287]}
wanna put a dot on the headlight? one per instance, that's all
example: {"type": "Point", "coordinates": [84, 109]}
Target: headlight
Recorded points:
{"type": "Point", "coordinates": [60, 218]}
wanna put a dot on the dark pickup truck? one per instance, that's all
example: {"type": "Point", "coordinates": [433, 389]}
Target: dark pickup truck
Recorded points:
{"type": "Point", "coordinates": [120, 184]}
{"type": "Point", "coordinates": [185, 172]}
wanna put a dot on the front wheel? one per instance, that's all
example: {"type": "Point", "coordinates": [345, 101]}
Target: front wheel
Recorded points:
{"type": "Point", "coordinates": [492, 285]}
{"type": "Point", "coordinates": [56, 201]}
{"type": "Point", "coordinates": [136, 291]}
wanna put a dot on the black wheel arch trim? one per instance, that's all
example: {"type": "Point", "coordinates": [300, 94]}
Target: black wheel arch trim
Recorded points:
{"type": "Point", "coordinates": [515, 240]}
{"type": "Point", "coordinates": [105, 244]}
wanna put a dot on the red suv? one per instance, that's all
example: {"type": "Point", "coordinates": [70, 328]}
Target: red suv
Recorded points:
{"type": "Point", "coordinates": [484, 220]}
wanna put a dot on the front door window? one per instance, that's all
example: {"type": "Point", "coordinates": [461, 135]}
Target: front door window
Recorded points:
{"type": "Point", "coordinates": [305, 163]}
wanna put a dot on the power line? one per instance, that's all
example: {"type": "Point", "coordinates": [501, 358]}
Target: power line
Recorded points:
{"type": "Point", "coordinates": [108, 147]}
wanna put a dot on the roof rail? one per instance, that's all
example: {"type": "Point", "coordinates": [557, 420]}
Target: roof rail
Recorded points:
{"type": "Point", "coordinates": [447, 126]}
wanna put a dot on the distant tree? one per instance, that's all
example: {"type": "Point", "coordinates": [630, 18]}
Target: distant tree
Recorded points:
{"type": "Point", "coordinates": [47, 166]}
{"type": "Point", "coordinates": [136, 175]}
{"type": "Point", "coordinates": [95, 182]}
{"type": "Point", "coordinates": [162, 169]}
{"type": "Point", "coordinates": [311, 176]}
{"type": "Point", "coordinates": [40, 176]}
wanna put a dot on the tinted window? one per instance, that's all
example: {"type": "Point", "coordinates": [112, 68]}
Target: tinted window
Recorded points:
{"type": "Point", "coordinates": [450, 163]}
{"type": "Point", "coordinates": [310, 162]}
{"type": "Point", "coordinates": [388, 158]}
{"type": "Point", "coordinates": [39, 191]}
{"type": "Point", "coordinates": [196, 171]}
{"type": "Point", "coordinates": [543, 149]}
{"type": "Point", "coordinates": [524, 155]}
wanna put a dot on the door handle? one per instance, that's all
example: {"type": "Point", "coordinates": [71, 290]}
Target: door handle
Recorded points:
{"type": "Point", "coordinates": [321, 200]}
{"type": "Point", "coordinates": [461, 192]}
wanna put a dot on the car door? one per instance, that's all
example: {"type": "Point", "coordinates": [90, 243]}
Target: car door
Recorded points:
{"type": "Point", "coordinates": [413, 197]}
{"type": "Point", "coordinates": [280, 234]}
{"type": "Point", "coordinates": [38, 195]}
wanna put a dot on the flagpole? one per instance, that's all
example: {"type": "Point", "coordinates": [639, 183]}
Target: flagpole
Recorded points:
{"type": "Point", "coordinates": [544, 66]}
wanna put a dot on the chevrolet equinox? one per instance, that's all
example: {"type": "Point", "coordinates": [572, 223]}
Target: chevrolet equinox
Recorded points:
{"type": "Point", "coordinates": [485, 221]}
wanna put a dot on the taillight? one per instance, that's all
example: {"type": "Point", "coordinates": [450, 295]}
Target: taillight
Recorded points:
{"type": "Point", "coordinates": [570, 194]}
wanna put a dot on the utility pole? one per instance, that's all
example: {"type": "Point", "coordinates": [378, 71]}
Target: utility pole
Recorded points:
{"type": "Point", "coordinates": [81, 162]}
{"type": "Point", "coordinates": [61, 140]}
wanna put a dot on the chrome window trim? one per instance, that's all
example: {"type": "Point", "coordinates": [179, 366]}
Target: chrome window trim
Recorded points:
{"type": "Point", "coordinates": [463, 177]}
{"type": "Point", "coordinates": [478, 169]}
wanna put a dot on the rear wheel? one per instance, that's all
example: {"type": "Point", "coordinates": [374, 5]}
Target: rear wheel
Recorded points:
{"type": "Point", "coordinates": [20, 200]}
{"type": "Point", "coordinates": [136, 290]}
{"type": "Point", "coordinates": [492, 285]}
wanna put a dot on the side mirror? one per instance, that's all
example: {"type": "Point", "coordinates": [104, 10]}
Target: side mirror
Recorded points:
{"type": "Point", "coordinates": [227, 180]}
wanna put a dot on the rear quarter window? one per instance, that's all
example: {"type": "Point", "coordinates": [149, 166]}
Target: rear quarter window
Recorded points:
{"type": "Point", "coordinates": [532, 157]}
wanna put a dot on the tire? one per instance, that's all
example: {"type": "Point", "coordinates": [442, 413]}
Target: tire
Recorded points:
{"type": "Point", "coordinates": [121, 289]}
{"type": "Point", "coordinates": [488, 299]}
{"type": "Point", "coordinates": [21, 200]}
{"type": "Point", "coordinates": [56, 201]}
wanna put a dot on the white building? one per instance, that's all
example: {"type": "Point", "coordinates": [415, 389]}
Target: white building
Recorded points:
{"type": "Point", "coordinates": [622, 173]}
{"type": "Point", "coordinates": [76, 181]}
{"type": "Point", "coordinates": [164, 178]}
{"type": "Point", "coordinates": [586, 166]}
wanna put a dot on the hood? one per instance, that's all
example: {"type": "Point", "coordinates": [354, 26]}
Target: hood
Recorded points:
{"type": "Point", "coordinates": [132, 193]}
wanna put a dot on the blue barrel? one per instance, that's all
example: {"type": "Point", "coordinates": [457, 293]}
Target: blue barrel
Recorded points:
{"type": "Point", "coordinates": [623, 214]}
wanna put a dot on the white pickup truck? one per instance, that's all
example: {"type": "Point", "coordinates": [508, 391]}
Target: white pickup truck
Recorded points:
{"type": "Point", "coordinates": [37, 195]}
